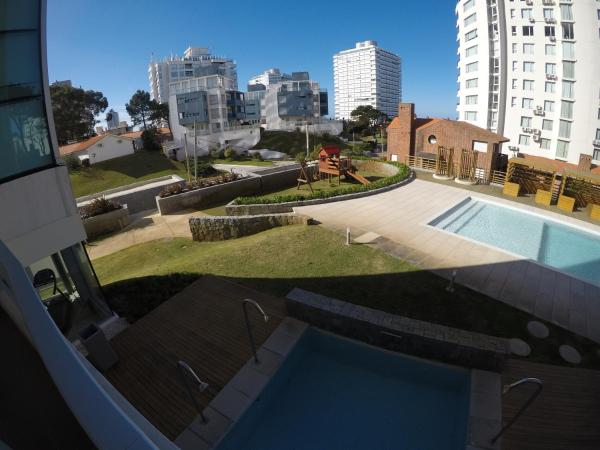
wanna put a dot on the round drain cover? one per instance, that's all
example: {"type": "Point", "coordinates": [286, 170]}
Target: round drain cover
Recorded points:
{"type": "Point", "coordinates": [519, 347]}
{"type": "Point", "coordinates": [538, 329]}
{"type": "Point", "coordinates": [569, 354]}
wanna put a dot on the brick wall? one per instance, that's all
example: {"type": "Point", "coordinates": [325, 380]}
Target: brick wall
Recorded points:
{"type": "Point", "coordinates": [399, 133]}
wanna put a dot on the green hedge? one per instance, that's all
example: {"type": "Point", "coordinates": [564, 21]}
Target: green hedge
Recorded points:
{"type": "Point", "coordinates": [403, 172]}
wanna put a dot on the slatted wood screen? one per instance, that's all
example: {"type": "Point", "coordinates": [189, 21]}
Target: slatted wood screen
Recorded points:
{"type": "Point", "coordinates": [444, 163]}
{"type": "Point", "coordinates": [467, 165]}
{"type": "Point", "coordinates": [583, 191]}
{"type": "Point", "coordinates": [530, 179]}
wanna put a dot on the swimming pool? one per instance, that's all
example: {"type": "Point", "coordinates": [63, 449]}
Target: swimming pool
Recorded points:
{"type": "Point", "coordinates": [535, 237]}
{"type": "Point", "coordinates": [334, 393]}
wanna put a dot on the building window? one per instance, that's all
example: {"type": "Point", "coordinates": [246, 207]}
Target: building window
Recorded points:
{"type": "Point", "coordinates": [527, 103]}
{"type": "Point", "coordinates": [528, 49]}
{"type": "Point", "coordinates": [513, 102]}
{"type": "Point", "coordinates": [526, 13]}
{"type": "Point", "coordinates": [528, 85]}
{"type": "Point", "coordinates": [568, 89]}
{"type": "Point", "coordinates": [471, 19]}
{"type": "Point", "coordinates": [566, 110]}
{"type": "Point", "coordinates": [470, 35]}
{"type": "Point", "coordinates": [471, 51]}
{"type": "Point", "coordinates": [550, 49]}
{"type": "Point", "coordinates": [547, 125]}
{"type": "Point", "coordinates": [549, 106]}
{"type": "Point", "coordinates": [568, 69]}
{"type": "Point", "coordinates": [472, 67]}
{"type": "Point", "coordinates": [562, 149]}
{"type": "Point", "coordinates": [568, 50]}
{"type": "Point", "coordinates": [515, 65]}
{"type": "Point", "coordinates": [515, 48]}
{"type": "Point", "coordinates": [524, 139]}
{"type": "Point", "coordinates": [513, 30]}
{"type": "Point", "coordinates": [549, 31]}
{"type": "Point", "coordinates": [596, 154]}
{"type": "Point", "coordinates": [528, 30]}
{"type": "Point", "coordinates": [514, 83]}
{"type": "Point", "coordinates": [528, 66]}
{"type": "Point", "coordinates": [468, 5]}
{"type": "Point", "coordinates": [564, 129]}
{"type": "Point", "coordinates": [472, 83]}
{"type": "Point", "coordinates": [471, 115]}
{"type": "Point", "coordinates": [526, 122]}
{"type": "Point", "coordinates": [545, 144]}
{"type": "Point", "coordinates": [550, 69]}
{"type": "Point", "coordinates": [568, 31]}
{"type": "Point", "coordinates": [471, 99]}
{"type": "Point", "coordinates": [432, 139]}
{"type": "Point", "coordinates": [550, 88]}
{"type": "Point", "coordinates": [598, 134]}
{"type": "Point", "coordinates": [548, 13]}
{"type": "Point", "coordinates": [566, 12]}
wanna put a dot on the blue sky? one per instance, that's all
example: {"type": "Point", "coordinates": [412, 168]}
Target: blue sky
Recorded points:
{"type": "Point", "coordinates": [107, 45]}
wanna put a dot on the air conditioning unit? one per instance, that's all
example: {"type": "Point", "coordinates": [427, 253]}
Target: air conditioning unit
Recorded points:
{"type": "Point", "coordinates": [596, 143]}
{"type": "Point", "coordinates": [532, 20]}
{"type": "Point", "coordinates": [551, 76]}
{"type": "Point", "coordinates": [539, 111]}
{"type": "Point", "coordinates": [526, 130]}
{"type": "Point", "coordinates": [536, 138]}
{"type": "Point", "coordinates": [536, 131]}
{"type": "Point", "coordinates": [529, 2]}
{"type": "Point", "coordinates": [550, 20]}
{"type": "Point", "coordinates": [552, 38]}
{"type": "Point", "coordinates": [547, 2]}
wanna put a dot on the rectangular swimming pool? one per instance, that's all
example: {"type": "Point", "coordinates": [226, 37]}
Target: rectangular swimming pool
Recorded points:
{"type": "Point", "coordinates": [543, 240]}
{"type": "Point", "coordinates": [334, 393]}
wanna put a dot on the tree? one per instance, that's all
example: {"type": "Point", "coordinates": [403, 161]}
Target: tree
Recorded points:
{"type": "Point", "coordinates": [139, 108]}
{"type": "Point", "coordinates": [150, 140]}
{"type": "Point", "coordinates": [75, 112]}
{"type": "Point", "coordinates": [368, 117]}
{"type": "Point", "coordinates": [159, 114]}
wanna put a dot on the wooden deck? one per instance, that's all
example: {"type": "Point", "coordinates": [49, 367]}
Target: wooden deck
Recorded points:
{"type": "Point", "coordinates": [202, 325]}
{"type": "Point", "coordinates": [565, 416]}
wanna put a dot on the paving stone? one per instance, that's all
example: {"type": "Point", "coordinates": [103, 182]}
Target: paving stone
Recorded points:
{"type": "Point", "coordinates": [519, 347]}
{"type": "Point", "coordinates": [188, 440]}
{"type": "Point", "coordinates": [569, 354]}
{"type": "Point", "coordinates": [366, 238]}
{"type": "Point", "coordinates": [215, 427]}
{"type": "Point", "coordinates": [538, 329]}
{"type": "Point", "coordinates": [231, 403]}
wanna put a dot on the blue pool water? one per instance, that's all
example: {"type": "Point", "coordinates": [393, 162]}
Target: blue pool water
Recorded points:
{"type": "Point", "coordinates": [333, 393]}
{"type": "Point", "coordinates": [546, 241]}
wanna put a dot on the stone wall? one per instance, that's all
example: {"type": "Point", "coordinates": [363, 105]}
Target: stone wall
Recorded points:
{"type": "Point", "coordinates": [416, 337]}
{"type": "Point", "coordinates": [107, 223]}
{"type": "Point", "coordinates": [219, 228]}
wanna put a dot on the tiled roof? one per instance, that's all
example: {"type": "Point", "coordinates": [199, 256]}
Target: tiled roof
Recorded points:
{"type": "Point", "coordinates": [559, 165]}
{"type": "Point", "coordinates": [84, 145]}
{"type": "Point", "coordinates": [138, 134]}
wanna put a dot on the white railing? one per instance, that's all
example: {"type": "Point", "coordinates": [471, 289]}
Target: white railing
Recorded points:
{"type": "Point", "coordinates": [104, 421]}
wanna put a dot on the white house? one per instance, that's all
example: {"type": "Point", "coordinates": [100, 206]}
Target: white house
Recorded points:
{"type": "Point", "coordinates": [100, 148]}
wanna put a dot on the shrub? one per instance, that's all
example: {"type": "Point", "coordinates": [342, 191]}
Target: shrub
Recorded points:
{"type": "Point", "coordinates": [72, 162]}
{"type": "Point", "coordinates": [402, 174]}
{"type": "Point", "coordinates": [150, 141]}
{"type": "Point", "coordinates": [204, 169]}
{"type": "Point", "coordinates": [229, 153]}
{"type": "Point", "coordinates": [217, 153]}
{"type": "Point", "coordinates": [257, 156]}
{"type": "Point", "coordinates": [98, 206]}
{"type": "Point", "coordinates": [178, 188]}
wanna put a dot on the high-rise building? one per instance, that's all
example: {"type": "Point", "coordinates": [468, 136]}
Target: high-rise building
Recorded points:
{"type": "Point", "coordinates": [268, 77]}
{"type": "Point", "coordinates": [196, 62]}
{"type": "Point", "coordinates": [529, 71]}
{"type": "Point", "coordinates": [366, 75]}
{"type": "Point", "coordinates": [112, 119]}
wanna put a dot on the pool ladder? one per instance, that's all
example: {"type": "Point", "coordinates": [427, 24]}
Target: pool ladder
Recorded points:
{"type": "Point", "coordinates": [539, 386]}
{"type": "Point", "coordinates": [188, 373]}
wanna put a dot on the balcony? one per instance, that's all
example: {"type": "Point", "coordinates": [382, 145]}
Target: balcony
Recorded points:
{"type": "Point", "coordinates": [596, 142]}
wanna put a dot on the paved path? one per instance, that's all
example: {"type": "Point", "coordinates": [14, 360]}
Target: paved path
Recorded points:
{"type": "Point", "coordinates": [146, 226]}
{"type": "Point", "coordinates": [401, 216]}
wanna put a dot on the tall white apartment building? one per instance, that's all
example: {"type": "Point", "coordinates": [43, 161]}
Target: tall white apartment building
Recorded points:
{"type": "Point", "coordinates": [196, 62]}
{"type": "Point", "coordinates": [269, 77]}
{"type": "Point", "coordinates": [366, 75]}
{"type": "Point", "coordinates": [530, 70]}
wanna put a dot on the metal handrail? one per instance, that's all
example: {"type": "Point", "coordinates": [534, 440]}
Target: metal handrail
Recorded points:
{"type": "Point", "coordinates": [248, 328]}
{"type": "Point", "coordinates": [540, 385]}
{"type": "Point", "coordinates": [183, 367]}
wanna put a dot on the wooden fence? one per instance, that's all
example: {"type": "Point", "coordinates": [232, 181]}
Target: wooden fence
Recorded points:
{"type": "Point", "coordinates": [482, 176]}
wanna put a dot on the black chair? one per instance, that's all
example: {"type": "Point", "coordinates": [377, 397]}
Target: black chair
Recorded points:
{"type": "Point", "coordinates": [59, 306]}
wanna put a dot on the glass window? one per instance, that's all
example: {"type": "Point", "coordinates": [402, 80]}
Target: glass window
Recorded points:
{"type": "Point", "coordinates": [568, 69]}
{"type": "Point", "coordinates": [471, 51]}
{"type": "Point", "coordinates": [550, 88]}
{"type": "Point", "coordinates": [471, 115]}
{"type": "Point", "coordinates": [548, 13]}
{"type": "Point", "coordinates": [471, 99]}
{"type": "Point", "coordinates": [24, 138]}
{"type": "Point", "coordinates": [568, 89]}
{"type": "Point", "coordinates": [528, 85]}
{"type": "Point", "coordinates": [526, 13]}
{"type": "Point", "coordinates": [528, 30]}
{"type": "Point", "coordinates": [562, 149]}
{"type": "Point", "coordinates": [598, 134]}
{"type": "Point", "coordinates": [472, 83]}
{"type": "Point", "coordinates": [524, 139]}
{"type": "Point", "coordinates": [528, 49]}
{"type": "Point", "coordinates": [527, 103]}
{"type": "Point", "coordinates": [564, 129]}
{"type": "Point", "coordinates": [526, 122]}
{"type": "Point", "coordinates": [528, 66]}
{"type": "Point", "coordinates": [471, 19]}
{"type": "Point", "coordinates": [550, 49]}
{"type": "Point", "coordinates": [547, 125]}
{"type": "Point", "coordinates": [568, 31]}
{"type": "Point", "coordinates": [468, 5]}
{"type": "Point", "coordinates": [514, 83]}
{"type": "Point", "coordinates": [549, 31]}
{"type": "Point", "coordinates": [566, 12]}
{"type": "Point", "coordinates": [568, 50]}
{"type": "Point", "coordinates": [20, 75]}
{"type": "Point", "coordinates": [471, 35]}
{"type": "Point", "coordinates": [596, 154]}
{"type": "Point", "coordinates": [545, 144]}
{"type": "Point", "coordinates": [472, 67]}
{"type": "Point", "coordinates": [515, 48]}
{"type": "Point", "coordinates": [549, 106]}
{"type": "Point", "coordinates": [21, 15]}
{"type": "Point", "coordinates": [550, 69]}
{"type": "Point", "coordinates": [566, 110]}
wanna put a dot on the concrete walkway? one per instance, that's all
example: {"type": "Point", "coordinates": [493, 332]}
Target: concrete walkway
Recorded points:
{"type": "Point", "coordinates": [401, 216]}
{"type": "Point", "coordinates": [146, 226]}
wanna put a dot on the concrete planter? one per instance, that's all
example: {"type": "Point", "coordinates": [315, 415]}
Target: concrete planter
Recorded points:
{"type": "Point", "coordinates": [198, 198]}
{"type": "Point", "coordinates": [107, 223]}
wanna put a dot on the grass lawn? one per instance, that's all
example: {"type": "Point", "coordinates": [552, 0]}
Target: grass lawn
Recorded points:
{"type": "Point", "coordinates": [122, 171]}
{"type": "Point", "coordinates": [294, 142]}
{"type": "Point", "coordinates": [324, 185]}
{"type": "Point", "coordinates": [316, 259]}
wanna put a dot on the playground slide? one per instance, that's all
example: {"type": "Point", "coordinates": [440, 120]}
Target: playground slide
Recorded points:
{"type": "Point", "coordinates": [358, 177]}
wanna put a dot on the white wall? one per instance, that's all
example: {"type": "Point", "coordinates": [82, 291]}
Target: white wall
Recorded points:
{"type": "Point", "coordinates": [43, 217]}
{"type": "Point", "coordinates": [108, 148]}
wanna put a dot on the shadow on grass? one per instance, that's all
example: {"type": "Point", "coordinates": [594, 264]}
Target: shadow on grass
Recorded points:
{"type": "Point", "coordinates": [417, 294]}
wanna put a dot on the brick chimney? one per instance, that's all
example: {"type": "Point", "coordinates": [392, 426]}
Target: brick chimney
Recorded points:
{"type": "Point", "coordinates": [585, 163]}
{"type": "Point", "coordinates": [400, 133]}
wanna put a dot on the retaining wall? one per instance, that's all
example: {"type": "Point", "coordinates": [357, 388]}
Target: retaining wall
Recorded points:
{"type": "Point", "coordinates": [402, 334]}
{"type": "Point", "coordinates": [219, 228]}
{"type": "Point", "coordinates": [107, 223]}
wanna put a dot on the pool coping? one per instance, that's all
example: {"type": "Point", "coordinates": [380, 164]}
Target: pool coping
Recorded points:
{"type": "Point", "coordinates": [429, 223]}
